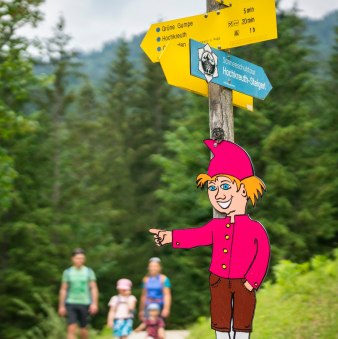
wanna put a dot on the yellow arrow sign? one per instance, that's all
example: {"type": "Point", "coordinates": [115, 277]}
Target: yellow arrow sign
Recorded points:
{"type": "Point", "coordinates": [250, 21]}
{"type": "Point", "coordinates": [245, 22]}
{"type": "Point", "coordinates": [175, 62]}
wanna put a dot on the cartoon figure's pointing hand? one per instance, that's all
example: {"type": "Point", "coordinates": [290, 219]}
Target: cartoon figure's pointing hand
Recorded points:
{"type": "Point", "coordinates": [161, 237]}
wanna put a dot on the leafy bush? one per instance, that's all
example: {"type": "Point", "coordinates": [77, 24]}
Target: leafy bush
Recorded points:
{"type": "Point", "coordinates": [301, 304]}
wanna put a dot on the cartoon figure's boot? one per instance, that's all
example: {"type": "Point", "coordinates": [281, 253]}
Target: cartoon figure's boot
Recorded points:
{"type": "Point", "coordinates": [242, 335]}
{"type": "Point", "coordinates": [222, 335]}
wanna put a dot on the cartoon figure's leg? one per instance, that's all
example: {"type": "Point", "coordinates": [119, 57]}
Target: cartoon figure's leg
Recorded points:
{"type": "Point", "coordinates": [244, 309]}
{"type": "Point", "coordinates": [242, 335]}
{"type": "Point", "coordinates": [222, 335]}
{"type": "Point", "coordinates": [232, 333]}
{"type": "Point", "coordinates": [220, 306]}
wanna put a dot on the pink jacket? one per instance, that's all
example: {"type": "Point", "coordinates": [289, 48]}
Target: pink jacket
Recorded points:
{"type": "Point", "coordinates": [240, 250]}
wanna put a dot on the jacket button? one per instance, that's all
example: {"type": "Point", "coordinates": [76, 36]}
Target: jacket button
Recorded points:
{"type": "Point", "coordinates": [224, 266]}
{"type": "Point", "coordinates": [225, 250]}
{"type": "Point", "coordinates": [177, 243]}
{"type": "Point", "coordinates": [227, 237]}
{"type": "Point", "coordinates": [228, 225]}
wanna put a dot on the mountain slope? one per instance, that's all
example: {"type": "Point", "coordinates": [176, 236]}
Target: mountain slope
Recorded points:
{"type": "Point", "coordinates": [96, 62]}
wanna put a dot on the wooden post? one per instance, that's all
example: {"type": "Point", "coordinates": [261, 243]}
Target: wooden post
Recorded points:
{"type": "Point", "coordinates": [220, 103]}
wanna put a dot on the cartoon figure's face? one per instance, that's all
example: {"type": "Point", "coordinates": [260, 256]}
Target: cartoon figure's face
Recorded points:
{"type": "Point", "coordinates": [225, 196]}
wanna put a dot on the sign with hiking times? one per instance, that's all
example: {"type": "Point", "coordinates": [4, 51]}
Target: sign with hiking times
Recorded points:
{"type": "Point", "coordinates": [244, 22]}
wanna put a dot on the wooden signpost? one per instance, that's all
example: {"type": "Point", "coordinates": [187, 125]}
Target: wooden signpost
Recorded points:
{"type": "Point", "coordinates": [227, 24]}
{"type": "Point", "coordinates": [221, 114]}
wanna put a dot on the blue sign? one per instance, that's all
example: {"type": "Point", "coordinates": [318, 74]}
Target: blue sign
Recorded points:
{"type": "Point", "coordinates": [227, 70]}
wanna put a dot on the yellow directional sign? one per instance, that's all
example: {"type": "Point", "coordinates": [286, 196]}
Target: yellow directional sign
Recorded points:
{"type": "Point", "coordinates": [245, 22]}
{"type": "Point", "coordinates": [175, 62]}
{"type": "Point", "coordinates": [204, 28]}
{"type": "Point", "coordinates": [250, 21]}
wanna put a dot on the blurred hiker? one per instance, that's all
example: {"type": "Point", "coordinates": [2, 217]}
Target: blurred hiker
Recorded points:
{"type": "Point", "coordinates": [122, 307]}
{"type": "Point", "coordinates": [78, 295]}
{"type": "Point", "coordinates": [156, 289]}
{"type": "Point", "coordinates": [154, 324]}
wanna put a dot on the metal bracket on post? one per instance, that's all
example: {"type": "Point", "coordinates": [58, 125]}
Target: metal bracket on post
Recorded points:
{"type": "Point", "coordinates": [226, 5]}
{"type": "Point", "coordinates": [218, 135]}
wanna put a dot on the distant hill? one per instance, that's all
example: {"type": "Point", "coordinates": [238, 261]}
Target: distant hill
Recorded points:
{"type": "Point", "coordinates": [96, 62]}
{"type": "Point", "coordinates": [324, 33]}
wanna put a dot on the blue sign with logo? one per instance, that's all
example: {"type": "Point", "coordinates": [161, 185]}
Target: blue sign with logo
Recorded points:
{"type": "Point", "coordinates": [227, 70]}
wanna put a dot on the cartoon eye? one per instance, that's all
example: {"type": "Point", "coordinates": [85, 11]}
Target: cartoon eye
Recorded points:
{"type": "Point", "coordinates": [225, 186]}
{"type": "Point", "coordinates": [212, 188]}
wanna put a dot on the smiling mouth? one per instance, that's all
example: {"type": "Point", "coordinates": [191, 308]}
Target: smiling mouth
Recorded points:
{"type": "Point", "coordinates": [224, 204]}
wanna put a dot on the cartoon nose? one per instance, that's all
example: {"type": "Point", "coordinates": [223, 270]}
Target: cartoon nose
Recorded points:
{"type": "Point", "coordinates": [220, 194]}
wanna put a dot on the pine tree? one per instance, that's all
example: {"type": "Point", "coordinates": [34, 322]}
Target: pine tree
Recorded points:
{"type": "Point", "coordinates": [59, 97]}
{"type": "Point", "coordinates": [157, 104]}
{"type": "Point", "coordinates": [22, 241]}
{"type": "Point", "coordinates": [324, 168]}
{"type": "Point", "coordinates": [113, 152]}
{"type": "Point", "coordinates": [281, 138]}
{"type": "Point", "coordinates": [16, 81]}
{"type": "Point", "coordinates": [81, 159]}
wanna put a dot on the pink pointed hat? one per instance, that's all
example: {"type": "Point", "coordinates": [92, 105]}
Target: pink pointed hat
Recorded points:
{"type": "Point", "coordinates": [229, 158]}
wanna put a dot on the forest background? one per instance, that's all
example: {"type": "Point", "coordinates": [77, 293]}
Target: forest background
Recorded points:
{"type": "Point", "coordinates": [95, 148]}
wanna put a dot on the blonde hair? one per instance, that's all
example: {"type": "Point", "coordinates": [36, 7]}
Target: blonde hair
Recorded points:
{"type": "Point", "coordinates": [254, 186]}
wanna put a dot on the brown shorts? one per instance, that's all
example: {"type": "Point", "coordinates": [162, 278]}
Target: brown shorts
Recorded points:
{"type": "Point", "coordinates": [231, 299]}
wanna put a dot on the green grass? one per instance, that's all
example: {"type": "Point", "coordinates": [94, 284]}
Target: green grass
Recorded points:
{"type": "Point", "coordinates": [301, 304]}
{"type": "Point", "coordinates": [106, 333]}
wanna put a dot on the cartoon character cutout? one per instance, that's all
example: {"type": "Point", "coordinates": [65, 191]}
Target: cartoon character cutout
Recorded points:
{"type": "Point", "coordinates": [240, 245]}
